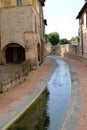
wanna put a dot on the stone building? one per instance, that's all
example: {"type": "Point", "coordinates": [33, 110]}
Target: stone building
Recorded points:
{"type": "Point", "coordinates": [82, 16]}
{"type": "Point", "coordinates": [22, 31]}
{"type": "Point", "coordinates": [59, 50]}
{"type": "Point", "coordinates": [74, 48]}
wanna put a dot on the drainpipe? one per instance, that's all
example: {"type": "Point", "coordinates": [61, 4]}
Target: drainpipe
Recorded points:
{"type": "Point", "coordinates": [0, 48]}
{"type": "Point", "coordinates": [82, 41]}
{"type": "Point", "coordinates": [0, 38]}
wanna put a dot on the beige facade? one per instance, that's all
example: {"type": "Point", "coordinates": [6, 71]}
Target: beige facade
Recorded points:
{"type": "Point", "coordinates": [59, 50]}
{"type": "Point", "coordinates": [64, 49]}
{"type": "Point", "coordinates": [74, 49]}
{"type": "Point", "coordinates": [82, 16]}
{"type": "Point", "coordinates": [22, 31]}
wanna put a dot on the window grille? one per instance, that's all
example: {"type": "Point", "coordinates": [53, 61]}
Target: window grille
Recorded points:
{"type": "Point", "coordinates": [19, 2]}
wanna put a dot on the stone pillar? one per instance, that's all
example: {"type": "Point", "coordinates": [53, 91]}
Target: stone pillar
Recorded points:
{"type": "Point", "coordinates": [31, 49]}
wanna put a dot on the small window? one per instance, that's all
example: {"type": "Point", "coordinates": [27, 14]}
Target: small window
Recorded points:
{"type": "Point", "coordinates": [83, 19]}
{"type": "Point", "coordinates": [19, 2]}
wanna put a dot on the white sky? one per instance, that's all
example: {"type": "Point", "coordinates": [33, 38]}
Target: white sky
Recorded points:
{"type": "Point", "coordinates": [61, 17]}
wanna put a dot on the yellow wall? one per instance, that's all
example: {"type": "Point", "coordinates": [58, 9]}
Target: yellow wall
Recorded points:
{"type": "Point", "coordinates": [34, 3]}
{"type": "Point", "coordinates": [26, 2]}
{"type": "Point", "coordinates": [9, 3]}
{"type": "Point", "coordinates": [1, 4]}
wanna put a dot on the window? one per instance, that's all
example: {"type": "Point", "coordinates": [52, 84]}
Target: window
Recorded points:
{"type": "Point", "coordinates": [86, 19]}
{"type": "Point", "coordinates": [19, 2]}
{"type": "Point", "coordinates": [83, 19]}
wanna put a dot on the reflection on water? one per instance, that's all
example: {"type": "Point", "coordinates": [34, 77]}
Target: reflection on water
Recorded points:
{"type": "Point", "coordinates": [59, 88]}
{"type": "Point", "coordinates": [36, 117]}
{"type": "Point", "coordinates": [48, 111]}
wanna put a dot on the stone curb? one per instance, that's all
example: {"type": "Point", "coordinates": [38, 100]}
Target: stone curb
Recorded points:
{"type": "Point", "coordinates": [73, 113]}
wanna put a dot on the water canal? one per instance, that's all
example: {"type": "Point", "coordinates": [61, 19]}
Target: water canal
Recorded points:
{"type": "Point", "coordinates": [49, 110]}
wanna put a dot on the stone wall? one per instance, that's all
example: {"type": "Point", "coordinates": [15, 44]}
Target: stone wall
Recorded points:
{"type": "Point", "coordinates": [12, 82]}
{"type": "Point", "coordinates": [77, 57]}
{"type": "Point", "coordinates": [24, 26]}
{"type": "Point", "coordinates": [11, 79]}
{"type": "Point", "coordinates": [14, 23]}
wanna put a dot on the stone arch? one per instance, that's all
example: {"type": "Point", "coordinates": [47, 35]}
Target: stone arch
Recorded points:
{"type": "Point", "coordinates": [13, 53]}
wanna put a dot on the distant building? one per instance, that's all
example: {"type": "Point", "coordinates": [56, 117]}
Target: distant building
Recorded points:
{"type": "Point", "coordinates": [22, 31]}
{"type": "Point", "coordinates": [59, 50]}
{"type": "Point", "coordinates": [48, 47]}
{"type": "Point", "coordinates": [82, 16]}
{"type": "Point", "coordinates": [74, 48]}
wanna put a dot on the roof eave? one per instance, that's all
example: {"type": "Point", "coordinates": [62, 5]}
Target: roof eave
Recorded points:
{"type": "Point", "coordinates": [81, 11]}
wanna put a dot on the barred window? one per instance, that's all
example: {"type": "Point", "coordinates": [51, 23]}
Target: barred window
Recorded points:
{"type": "Point", "coordinates": [19, 2]}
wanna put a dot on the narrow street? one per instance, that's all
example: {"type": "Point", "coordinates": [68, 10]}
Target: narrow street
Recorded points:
{"type": "Point", "coordinates": [76, 116]}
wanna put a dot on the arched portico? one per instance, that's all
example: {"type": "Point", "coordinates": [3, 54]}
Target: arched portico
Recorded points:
{"type": "Point", "coordinates": [13, 53]}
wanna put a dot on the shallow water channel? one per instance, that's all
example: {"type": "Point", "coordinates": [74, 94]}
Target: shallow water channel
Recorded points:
{"type": "Point", "coordinates": [49, 110]}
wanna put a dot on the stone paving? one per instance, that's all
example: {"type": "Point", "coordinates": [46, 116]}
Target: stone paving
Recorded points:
{"type": "Point", "coordinates": [72, 116]}
{"type": "Point", "coordinates": [11, 99]}
{"type": "Point", "coordinates": [81, 70]}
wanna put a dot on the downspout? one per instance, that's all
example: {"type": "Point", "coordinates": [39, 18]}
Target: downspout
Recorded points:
{"type": "Point", "coordinates": [82, 41]}
{"type": "Point", "coordinates": [0, 39]}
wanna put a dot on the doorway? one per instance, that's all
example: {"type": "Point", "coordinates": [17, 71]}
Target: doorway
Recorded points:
{"type": "Point", "coordinates": [15, 53]}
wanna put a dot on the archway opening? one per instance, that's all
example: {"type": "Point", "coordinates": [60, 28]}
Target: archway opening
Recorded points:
{"type": "Point", "coordinates": [14, 53]}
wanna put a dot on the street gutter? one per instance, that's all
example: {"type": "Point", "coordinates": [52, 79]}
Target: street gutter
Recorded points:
{"type": "Point", "coordinates": [73, 113]}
